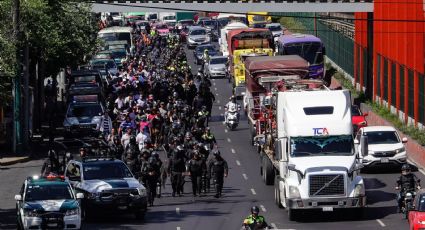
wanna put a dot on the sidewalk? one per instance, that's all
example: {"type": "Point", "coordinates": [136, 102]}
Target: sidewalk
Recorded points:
{"type": "Point", "coordinates": [10, 160]}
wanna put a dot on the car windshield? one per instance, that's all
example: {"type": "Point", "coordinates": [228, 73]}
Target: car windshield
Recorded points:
{"type": "Point", "coordinates": [119, 54]}
{"type": "Point", "coordinates": [84, 110]}
{"type": "Point", "coordinates": [110, 64]}
{"type": "Point", "coordinates": [275, 28]}
{"type": "Point", "coordinates": [53, 191]}
{"type": "Point", "coordinates": [215, 61]}
{"type": "Point", "coordinates": [90, 78]}
{"type": "Point", "coordinates": [198, 32]}
{"type": "Point", "coordinates": [259, 18]}
{"type": "Point", "coordinates": [307, 50]}
{"type": "Point", "coordinates": [322, 146]}
{"type": "Point", "coordinates": [110, 170]}
{"type": "Point", "coordinates": [382, 137]}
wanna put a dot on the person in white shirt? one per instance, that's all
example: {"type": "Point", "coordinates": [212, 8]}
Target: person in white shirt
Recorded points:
{"type": "Point", "coordinates": [119, 102]}
{"type": "Point", "coordinates": [125, 139]}
{"type": "Point", "coordinates": [141, 139]}
{"type": "Point", "coordinates": [232, 103]}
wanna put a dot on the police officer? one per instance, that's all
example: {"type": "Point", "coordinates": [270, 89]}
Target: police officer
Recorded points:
{"type": "Point", "coordinates": [218, 169]}
{"type": "Point", "coordinates": [176, 167]}
{"type": "Point", "coordinates": [196, 167]}
{"type": "Point", "coordinates": [130, 154]}
{"type": "Point", "coordinates": [152, 177]}
{"type": "Point", "coordinates": [255, 221]}
{"type": "Point", "coordinates": [209, 138]}
{"type": "Point", "coordinates": [51, 164]}
{"type": "Point", "coordinates": [406, 182]}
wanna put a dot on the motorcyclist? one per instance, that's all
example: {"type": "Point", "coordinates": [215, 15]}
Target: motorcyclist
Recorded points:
{"type": "Point", "coordinates": [218, 169]}
{"type": "Point", "coordinates": [196, 167]}
{"type": "Point", "coordinates": [405, 183]}
{"type": "Point", "coordinates": [231, 105]}
{"type": "Point", "coordinates": [255, 221]}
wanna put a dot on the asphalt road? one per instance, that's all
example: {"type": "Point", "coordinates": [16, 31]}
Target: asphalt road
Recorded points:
{"type": "Point", "coordinates": [243, 189]}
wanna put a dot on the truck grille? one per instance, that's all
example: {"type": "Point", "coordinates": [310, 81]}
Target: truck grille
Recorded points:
{"type": "Point", "coordinates": [384, 154]}
{"type": "Point", "coordinates": [327, 185]}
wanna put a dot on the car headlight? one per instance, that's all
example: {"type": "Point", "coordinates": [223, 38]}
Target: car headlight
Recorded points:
{"type": "Point", "coordinates": [359, 190]}
{"type": "Point", "coordinates": [294, 192]}
{"type": "Point", "coordinates": [93, 195]}
{"type": "Point", "coordinates": [30, 213]}
{"type": "Point", "coordinates": [207, 39]}
{"type": "Point", "coordinates": [72, 212]}
{"type": "Point", "coordinates": [142, 191]}
{"type": "Point", "coordinates": [95, 120]}
{"type": "Point", "coordinates": [400, 150]}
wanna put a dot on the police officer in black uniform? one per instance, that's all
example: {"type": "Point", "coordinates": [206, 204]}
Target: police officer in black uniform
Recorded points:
{"type": "Point", "coordinates": [51, 164]}
{"type": "Point", "coordinates": [196, 167]}
{"type": "Point", "coordinates": [405, 183]}
{"type": "Point", "coordinates": [218, 169]}
{"type": "Point", "coordinates": [176, 167]}
{"type": "Point", "coordinates": [130, 155]}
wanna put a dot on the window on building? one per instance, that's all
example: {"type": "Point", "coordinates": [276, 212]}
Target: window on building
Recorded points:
{"type": "Point", "coordinates": [411, 96]}
{"type": "Point", "coordinates": [393, 84]}
{"type": "Point", "coordinates": [402, 77]}
{"type": "Point", "coordinates": [378, 76]}
{"type": "Point", "coordinates": [421, 98]}
{"type": "Point", "coordinates": [385, 79]}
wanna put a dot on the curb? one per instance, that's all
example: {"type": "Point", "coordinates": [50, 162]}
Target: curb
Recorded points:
{"type": "Point", "coordinates": [15, 161]}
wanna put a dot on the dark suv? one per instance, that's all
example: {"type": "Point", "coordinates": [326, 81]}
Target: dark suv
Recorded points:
{"type": "Point", "coordinates": [107, 185]}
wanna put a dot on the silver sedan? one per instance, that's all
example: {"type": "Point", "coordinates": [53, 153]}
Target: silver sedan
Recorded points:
{"type": "Point", "coordinates": [216, 67]}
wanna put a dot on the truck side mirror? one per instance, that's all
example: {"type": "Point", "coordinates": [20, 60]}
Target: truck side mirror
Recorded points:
{"type": "Point", "coordinates": [364, 145]}
{"type": "Point", "coordinates": [281, 149]}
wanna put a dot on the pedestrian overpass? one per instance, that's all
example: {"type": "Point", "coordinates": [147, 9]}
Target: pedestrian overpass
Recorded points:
{"type": "Point", "coordinates": [235, 6]}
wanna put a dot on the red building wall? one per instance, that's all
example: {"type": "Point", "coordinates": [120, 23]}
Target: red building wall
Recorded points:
{"type": "Point", "coordinates": [398, 55]}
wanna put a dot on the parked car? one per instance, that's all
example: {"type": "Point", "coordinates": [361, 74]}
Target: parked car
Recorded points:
{"type": "Point", "coordinates": [197, 36]}
{"type": "Point", "coordinates": [216, 67]}
{"type": "Point", "coordinates": [48, 203]}
{"type": "Point", "coordinates": [384, 146]}
{"type": "Point", "coordinates": [199, 52]}
{"type": "Point", "coordinates": [108, 185]}
{"type": "Point", "coordinates": [358, 118]}
{"type": "Point", "coordinates": [416, 216]}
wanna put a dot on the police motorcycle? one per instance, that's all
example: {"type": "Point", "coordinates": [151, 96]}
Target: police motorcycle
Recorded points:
{"type": "Point", "coordinates": [407, 204]}
{"type": "Point", "coordinates": [232, 119]}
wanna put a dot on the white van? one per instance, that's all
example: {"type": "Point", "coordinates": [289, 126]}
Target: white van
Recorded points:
{"type": "Point", "coordinates": [121, 33]}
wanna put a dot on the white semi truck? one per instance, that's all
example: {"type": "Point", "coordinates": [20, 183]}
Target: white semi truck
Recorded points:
{"type": "Point", "coordinates": [308, 152]}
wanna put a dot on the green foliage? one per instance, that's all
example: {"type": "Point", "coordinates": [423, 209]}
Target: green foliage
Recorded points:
{"type": "Point", "coordinates": [293, 25]}
{"type": "Point", "coordinates": [383, 111]}
{"type": "Point", "coordinates": [59, 33]}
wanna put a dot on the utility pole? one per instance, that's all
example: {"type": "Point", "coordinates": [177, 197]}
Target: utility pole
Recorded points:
{"type": "Point", "coordinates": [369, 79]}
{"type": "Point", "coordinates": [16, 80]}
{"type": "Point", "coordinates": [27, 99]}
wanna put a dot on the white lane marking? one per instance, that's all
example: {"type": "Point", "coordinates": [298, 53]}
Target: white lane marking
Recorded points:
{"type": "Point", "coordinates": [216, 94]}
{"type": "Point", "coordinates": [245, 176]}
{"type": "Point", "coordinates": [238, 163]}
{"type": "Point", "coordinates": [219, 108]}
{"type": "Point", "coordinates": [225, 130]}
{"type": "Point", "coordinates": [273, 225]}
{"type": "Point", "coordinates": [178, 211]}
{"type": "Point", "coordinates": [380, 222]}
{"type": "Point", "coordinates": [178, 228]}
{"type": "Point", "coordinates": [215, 88]}
{"type": "Point", "coordinates": [233, 150]}
{"type": "Point", "coordinates": [218, 101]}
{"type": "Point", "coordinates": [214, 82]}
{"type": "Point", "coordinates": [253, 192]}
{"type": "Point", "coordinates": [263, 208]}
{"type": "Point", "coordinates": [228, 140]}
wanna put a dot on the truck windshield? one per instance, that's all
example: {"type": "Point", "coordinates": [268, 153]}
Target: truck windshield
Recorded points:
{"type": "Point", "coordinates": [307, 50]}
{"type": "Point", "coordinates": [113, 170]}
{"type": "Point", "coordinates": [322, 146]}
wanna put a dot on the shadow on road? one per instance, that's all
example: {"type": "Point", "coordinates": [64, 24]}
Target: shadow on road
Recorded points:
{"type": "Point", "coordinates": [373, 183]}
{"type": "Point", "coordinates": [377, 196]}
{"type": "Point", "coordinates": [7, 218]}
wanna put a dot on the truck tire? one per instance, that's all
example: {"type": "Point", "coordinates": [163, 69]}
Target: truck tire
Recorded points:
{"type": "Point", "coordinates": [268, 172]}
{"type": "Point", "coordinates": [292, 214]}
{"type": "Point", "coordinates": [277, 197]}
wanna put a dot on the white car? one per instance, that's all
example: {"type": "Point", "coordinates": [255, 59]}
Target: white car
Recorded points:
{"type": "Point", "coordinates": [384, 146]}
{"type": "Point", "coordinates": [276, 30]}
{"type": "Point", "coordinates": [48, 202]}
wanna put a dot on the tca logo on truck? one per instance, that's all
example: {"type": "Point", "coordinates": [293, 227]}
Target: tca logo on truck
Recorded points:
{"type": "Point", "coordinates": [320, 131]}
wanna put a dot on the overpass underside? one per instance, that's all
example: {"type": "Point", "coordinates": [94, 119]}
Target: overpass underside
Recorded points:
{"type": "Point", "coordinates": [236, 6]}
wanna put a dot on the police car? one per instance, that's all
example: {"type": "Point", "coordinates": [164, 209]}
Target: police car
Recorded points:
{"type": "Point", "coordinates": [107, 185]}
{"type": "Point", "coordinates": [48, 202]}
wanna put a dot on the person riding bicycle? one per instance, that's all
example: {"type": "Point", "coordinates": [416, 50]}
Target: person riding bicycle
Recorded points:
{"type": "Point", "coordinates": [406, 182]}
{"type": "Point", "coordinates": [255, 221]}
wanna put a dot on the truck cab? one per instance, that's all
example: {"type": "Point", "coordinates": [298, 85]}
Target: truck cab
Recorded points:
{"type": "Point", "coordinates": [311, 156]}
